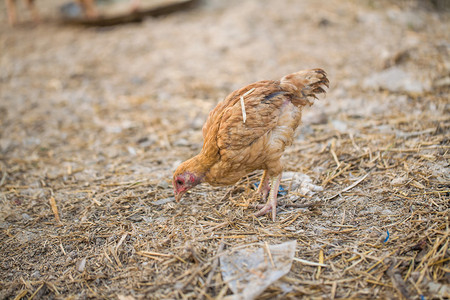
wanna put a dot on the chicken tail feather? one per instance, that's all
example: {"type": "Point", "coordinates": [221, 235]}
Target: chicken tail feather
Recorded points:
{"type": "Point", "coordinates": [305, 85]}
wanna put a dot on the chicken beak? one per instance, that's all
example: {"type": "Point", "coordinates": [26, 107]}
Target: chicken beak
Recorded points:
{"type": "Point", "coordinates": [179, 196]}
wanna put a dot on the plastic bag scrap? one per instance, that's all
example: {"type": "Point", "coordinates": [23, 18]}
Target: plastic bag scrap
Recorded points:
{"type": "Point", "coordinates": [250, 271]}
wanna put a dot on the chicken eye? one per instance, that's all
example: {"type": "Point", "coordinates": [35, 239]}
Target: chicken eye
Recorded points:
{"type": "Point", "coordinates": [179, 182]}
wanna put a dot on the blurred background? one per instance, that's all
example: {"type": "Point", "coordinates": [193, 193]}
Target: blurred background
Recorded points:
{"type": "Point", "coordinates": [98, 117]}
{"type": "Point", "coordinates": [56, 76]}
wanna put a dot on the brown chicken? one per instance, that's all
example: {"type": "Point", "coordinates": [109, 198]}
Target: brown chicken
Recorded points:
{"type": "Point", "coordinates": [249, 131]}
{"type": "Point", "coordinates": [88, 7]}
{"type": "Point", "coordinates": [12, 11]}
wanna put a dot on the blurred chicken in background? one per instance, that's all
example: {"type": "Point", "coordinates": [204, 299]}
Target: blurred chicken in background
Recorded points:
{"type": "Point", "coordinates": [88, 7]}
{"type": "Point", "coordinates": [12, 11]}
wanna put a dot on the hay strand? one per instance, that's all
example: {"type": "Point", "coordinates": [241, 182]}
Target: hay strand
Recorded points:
{"type": "Point", "coordinates": [54, 209]}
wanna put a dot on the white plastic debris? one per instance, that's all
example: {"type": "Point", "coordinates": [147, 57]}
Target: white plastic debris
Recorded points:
{"type": "Point", "coordinates": [248, 272]}
{"type": "Point", "coordinates": [301, 183]}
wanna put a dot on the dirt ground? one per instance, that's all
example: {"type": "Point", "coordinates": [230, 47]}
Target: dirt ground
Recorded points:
{"type": "Point", "coordinates": [95, 120]}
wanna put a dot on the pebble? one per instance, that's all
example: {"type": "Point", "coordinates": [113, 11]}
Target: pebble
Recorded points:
{"type": "Point", "coordinates": [81, 265]}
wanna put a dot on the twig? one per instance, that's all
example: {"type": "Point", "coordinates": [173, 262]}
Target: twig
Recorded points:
{"type": "Point", "coordinates": [349, 187]}
{"type": "Point", "coordinates": [303, 205]}
{"type": "Point", "coordinates": [309, 263]}
{"type": "Point", "coordinates": [244, 114]}
{"type": "Point", "coordinates": [151, 253]}
{"type": "Point", "coordinates": [194, 273]}
{"type": "Point", "coordinates": [270, 254]}
{"type": "Point", "coordinates": [124, 236]}
{"type": "Point", "coordinates": [36, 291]}
{"type": "Point", "coordinates": [214, 266]}
{"type": "Point", "coordinates": [21, 294]}
{"type": "Point", "coordinates": [320, 262]}
{"type": "Point", "coordinates": [228, 193]}
{"type": "Point", "coordinates": [116, 257]}
{"type": "Point", "coordinates": [396, 278]}
{"type": "Point", "coordinates": [333, 290]}
{"type": "Point", "coordinates": [54, 209]}
{"type": "Point", "coordinates": [120, 187]}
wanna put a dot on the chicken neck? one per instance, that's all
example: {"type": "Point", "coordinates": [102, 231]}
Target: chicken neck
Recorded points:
{"type": "Point", "coordinates": [198, 165]}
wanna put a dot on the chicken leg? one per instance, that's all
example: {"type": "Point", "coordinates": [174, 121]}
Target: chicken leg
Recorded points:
{"type": "Point", "coordinates": [33, 10]}
{"type": "Point", "coordinates": [264, 187]}
{"type": "Point", "coordinates": [272, 200]}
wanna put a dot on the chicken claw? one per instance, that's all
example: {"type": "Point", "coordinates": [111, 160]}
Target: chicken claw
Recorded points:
{"type": "Point", "coordinates": [264, 187]}
{"type": "Point", "coordinates": [272, 201]}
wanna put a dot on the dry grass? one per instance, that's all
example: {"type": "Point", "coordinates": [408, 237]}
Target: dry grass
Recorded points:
{"type": "Point", "coordinates": [112, 239]}
{"type": "Point", "coordinates": [86, 207]}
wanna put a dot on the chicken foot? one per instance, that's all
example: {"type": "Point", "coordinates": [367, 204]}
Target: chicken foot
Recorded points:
{"type": "Point", "coordinates": [264, 187]}
{"type": "Point", "coordinates": [272, 200]}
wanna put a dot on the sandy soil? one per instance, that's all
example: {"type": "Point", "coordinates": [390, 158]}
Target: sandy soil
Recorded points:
{"type": "Point", "coordinates": [95, 120]}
